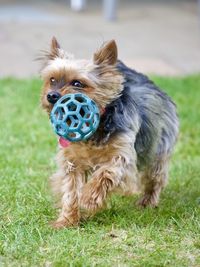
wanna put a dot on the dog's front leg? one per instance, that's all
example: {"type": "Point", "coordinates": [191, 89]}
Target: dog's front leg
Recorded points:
{"type": "Point", "coordinates": [69, 190]}
{"type": "Point", "coordinates": [103, 181]}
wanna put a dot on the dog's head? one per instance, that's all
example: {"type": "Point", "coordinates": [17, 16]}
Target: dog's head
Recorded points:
{"type": "Point", "coordinates": [98, 78]}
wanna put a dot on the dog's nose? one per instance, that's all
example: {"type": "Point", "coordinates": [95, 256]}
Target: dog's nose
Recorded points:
{"type": "Point", "coordinates": [53, 97]}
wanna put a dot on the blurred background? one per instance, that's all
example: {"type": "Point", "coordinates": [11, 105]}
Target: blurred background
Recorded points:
{"type": "Point", "coordinates": [153, 36]}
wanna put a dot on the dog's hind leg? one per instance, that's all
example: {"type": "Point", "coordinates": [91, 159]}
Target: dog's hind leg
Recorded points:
{"type": "Point", "coordinates": [153, 180]}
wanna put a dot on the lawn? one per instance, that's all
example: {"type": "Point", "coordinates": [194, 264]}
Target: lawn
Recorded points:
{"type": "Point", "coordinates": [122, 235]}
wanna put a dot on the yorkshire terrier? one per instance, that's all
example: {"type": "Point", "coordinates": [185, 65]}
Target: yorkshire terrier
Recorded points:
{"type": "Point", "coordinates": [131, 148]}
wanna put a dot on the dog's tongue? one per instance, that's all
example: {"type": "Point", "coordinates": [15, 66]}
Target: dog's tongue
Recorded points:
{"type": "Point", "coordinates": [63, 142]}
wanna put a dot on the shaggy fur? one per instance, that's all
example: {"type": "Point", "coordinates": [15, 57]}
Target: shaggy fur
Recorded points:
{"type": "Point", "coordinates": [131, 149]}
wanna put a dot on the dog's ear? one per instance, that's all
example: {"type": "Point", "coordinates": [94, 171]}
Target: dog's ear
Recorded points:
{"type": "Point", "coordinates": [50, 54]}
{"type": "Point", "coordinates": [54, 52]}
{"type": "Point", "coordinates": [107, 54]}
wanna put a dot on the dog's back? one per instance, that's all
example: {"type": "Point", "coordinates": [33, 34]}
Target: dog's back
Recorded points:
{"type": "Point", "coordinates": [143, 103]}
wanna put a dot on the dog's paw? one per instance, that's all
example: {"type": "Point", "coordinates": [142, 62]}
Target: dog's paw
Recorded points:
{"type": "Point", "coordinates": [148, 200]}
{"type": "Point", "coordinates": [63, 223]}
{"type": "Point", "coordinates": [92, 197]}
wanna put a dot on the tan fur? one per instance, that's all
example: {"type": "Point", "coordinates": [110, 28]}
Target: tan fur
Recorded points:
{"type": "Point", "coordinates": [152, 182]}
{"type": "Point", "coordinates": [86, 173]}
{"type": "Point", "coordinates": [101, 91]}
{"type": "Point", "coordinates": [107, 54]}
{"type": "Point", "coordinates": [113, 168]}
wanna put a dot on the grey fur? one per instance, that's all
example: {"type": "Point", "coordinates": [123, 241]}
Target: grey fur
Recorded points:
{"type": "Point", "coordinates": [143, 103]}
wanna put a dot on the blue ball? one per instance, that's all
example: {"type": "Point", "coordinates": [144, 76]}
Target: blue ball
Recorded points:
{"type": "Point", "coordinates": [75, 117]}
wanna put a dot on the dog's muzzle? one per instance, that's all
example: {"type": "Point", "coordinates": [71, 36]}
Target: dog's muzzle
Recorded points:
{"type": "Point", "coordinates": [53, 97]}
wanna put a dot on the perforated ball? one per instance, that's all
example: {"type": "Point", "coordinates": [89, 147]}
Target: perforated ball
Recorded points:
{"type": "Point", "coordinates": [75, 117]}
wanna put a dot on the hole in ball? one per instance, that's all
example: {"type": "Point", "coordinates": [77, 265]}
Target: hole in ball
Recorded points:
{"type": "Point", "coordinates": [80, 99]}
{"type": "Point", "coordinates": [82, 112]}
{"type": "Point", "coordinates": [65, 99]}
{"type": "Point", "coordinates": [72, 135]}
{"type": "Point", "coordinates": [59, 113]}
{"type": "Point", "coordinates": [72, 107]}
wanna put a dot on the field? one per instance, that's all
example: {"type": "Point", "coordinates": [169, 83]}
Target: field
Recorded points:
{"type": "Point", "coordinates": [122, 235]}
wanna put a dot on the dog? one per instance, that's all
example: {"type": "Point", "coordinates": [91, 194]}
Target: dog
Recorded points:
{"type": "Point", "coordinates": [131, 148]}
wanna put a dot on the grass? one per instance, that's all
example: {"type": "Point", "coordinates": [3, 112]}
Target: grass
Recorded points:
{"type": "Point", "coordinates": [119, 236]}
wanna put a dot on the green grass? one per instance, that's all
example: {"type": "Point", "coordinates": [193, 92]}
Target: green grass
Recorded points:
{"type": "Point", "coordinates": [122, 235]}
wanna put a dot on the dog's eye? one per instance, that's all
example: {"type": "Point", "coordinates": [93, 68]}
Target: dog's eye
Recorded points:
{"type": "Point", "coordinates": [77, 83]}
{"type": "Point", "coordinates": [53, 81]}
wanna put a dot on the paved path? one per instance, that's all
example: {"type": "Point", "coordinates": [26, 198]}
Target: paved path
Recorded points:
{"type": "Point", "coordinates": [161, 38]}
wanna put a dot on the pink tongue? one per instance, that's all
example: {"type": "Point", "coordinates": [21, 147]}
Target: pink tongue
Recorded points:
{"type": "Point", "coordinates": [63, 142]}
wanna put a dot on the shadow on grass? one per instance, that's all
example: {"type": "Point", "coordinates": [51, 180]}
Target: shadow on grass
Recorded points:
{"type": "Point", "coordinates": [174, 208]}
